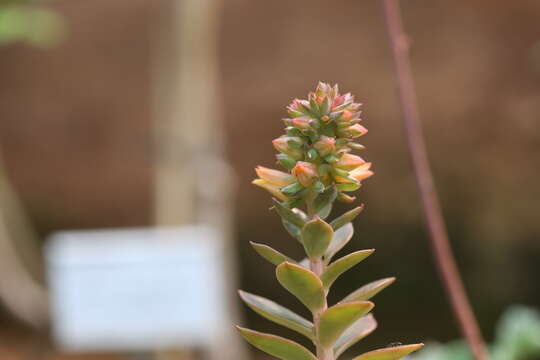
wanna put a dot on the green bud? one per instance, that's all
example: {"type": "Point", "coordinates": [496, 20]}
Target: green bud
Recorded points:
{"type": "Point", "coordinates": [325, 169]}
{"type": "Point", "coordinates": [293, 144]}
{"type": "Point", "coordinates": [292, 131]}
{"type": "Point", "coordinates": [340, 172]}
{"type": "Point", "coordinates": [342, 142]}
{"type": "Point", "coordinates": [286, 161]}
{"type": "Point", "coordinates": [328, 129]}
{"type": "Point", "coordinates": [325, 106]}
{"type": "Point", "coordinates": [314, 107]}
{"type": "Point", "coordinates": [281, 144]}
{"type": "Point", "coordinates": [356, 146]}
{"type": "Point", "coordinates": [294, 113]}
{"type": "Point", "coordinates": [313, 136]}
{"type": "Point", "coordinates": [312, 155]}
{"type": "Point", "coordinates": [293, 189]}
{"type": "Point", "coordinates": [331, 158]}
{"type": "Point", "coordinates": [335, 115]}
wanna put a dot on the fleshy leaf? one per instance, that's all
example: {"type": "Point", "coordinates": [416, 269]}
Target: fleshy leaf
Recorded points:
{"type": "Point", "coordinates": [356, 332]}
{"type": "Point", "coordinates": [276, 346]}
{"type": "Point", "coordinates": [277, 313]}
{"type": "Point", "coordinates": [347, 217]}
{"type": "Point", "coordinates": [390, 353]}
{"type": "Point", "coordinates": [291, 229]}
{"type": "Point", "coordinates": [316, 236]}
{"type": "Point", "coordinates": [303, 284]}
{"type": "Point", "coordinates": [288, 215]}
{"type": "Point", "coordinates": [369, 290]}
{"type": "Point", "coordinates": [341, 237]}
{"type": "Point", "coordinates": [274, 256]}
{"type": "Point", "coordinates": [335, 320]}
{"type": "Point", "coordinates": [322, 205]}
{"type": "Point", "coordinates": [341, 265]}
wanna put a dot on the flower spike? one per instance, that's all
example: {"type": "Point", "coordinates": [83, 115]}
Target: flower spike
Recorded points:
{"type": "Point", "coordinates": [320, 168]}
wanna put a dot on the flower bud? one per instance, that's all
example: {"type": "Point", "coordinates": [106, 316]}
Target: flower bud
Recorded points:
{"type": "Point", "coordinates": [362, 172]}
{"type": "Point", "coordinates": [349, 162]}
{"type": "Point", "coordinates": [322, 89]}
{"type": "Point", "coordinates": [312, 155]}
{"type": "Point", "coordinates": [325, 145]}
{"type": "Point", "coordinates": [356, 146]}
{"type": "Point", "coordinates": [338, 100]}
{"type": "Point", "coordinates": [274, 177]}
{"type": "Point", "coordinates": [346, 116]}
{"type": "Point", "coordinates": [301, 123]}
{"type": "Point", "coordinates": [282, 144]}
{"type": "Point", "coordinates": [354, 131]}
{"type": "Point", "coordinates": [306, 173]}
{"type": "Point", "coordinates": [298, 106]}
{"type": "Point", "coordinates": [271, 188]}
{"type": "Point", "coordinates": [286, 161]}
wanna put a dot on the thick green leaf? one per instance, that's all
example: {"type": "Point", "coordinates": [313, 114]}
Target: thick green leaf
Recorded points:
{"type": "Point", "coordinates": [316, 236]}
{"type": "Point", "coordinates": [341, 237]}
{"type": "Point", "coordinates": [389, 353]}
{"type": "Point", "coordinates": [291, 229]}
{"type": "Point", "coordinates": [356, 332]}
{"type": "Point", "coordinates": [322, 205]}
{"type": "Point", "coordinates": [367, 291]}
{"type": "Point", "coordinates": [347, 217]}
{"type": "Point", "coordinates": [335, 320]}
{"type": "Point", "coordinates": [289, 215]}
{"type": "Point", "coordinates": [303, 284]}
{"type": "Point", "coordinates": [341, 265]}
{"type": "Point", "coordinates": [274, 256]}
{"type": "Point", "coordinates": [277, 313]}
{"type": "Point", "coordinates": [276, 346]}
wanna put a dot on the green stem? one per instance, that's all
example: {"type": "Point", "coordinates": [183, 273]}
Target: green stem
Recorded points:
{"type": "Point", "coordinates": [317, 266]}
{"type": "Point", "coordinates": [310, 198]}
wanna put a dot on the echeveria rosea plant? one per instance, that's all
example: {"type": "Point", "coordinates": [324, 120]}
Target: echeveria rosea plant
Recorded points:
{"type": "Point", "coordinates": [316, 150]}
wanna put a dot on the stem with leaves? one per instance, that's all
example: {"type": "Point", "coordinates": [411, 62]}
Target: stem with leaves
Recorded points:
{"type": "Point", "coordinates": [316, 151]}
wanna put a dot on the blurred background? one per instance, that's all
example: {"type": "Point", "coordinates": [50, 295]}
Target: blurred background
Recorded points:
{"type": "Point", "coordinates": [80, 86]}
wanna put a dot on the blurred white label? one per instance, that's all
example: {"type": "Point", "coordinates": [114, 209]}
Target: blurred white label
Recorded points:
{"type": "Point", "coordinates": [136, 289]}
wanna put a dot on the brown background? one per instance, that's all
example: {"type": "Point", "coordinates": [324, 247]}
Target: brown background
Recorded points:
{"type": "Point", "coordinates": [75, 122]}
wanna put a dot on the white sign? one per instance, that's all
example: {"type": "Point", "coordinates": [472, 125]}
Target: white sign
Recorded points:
{"type": "Point", "coordinates": [136, 289]}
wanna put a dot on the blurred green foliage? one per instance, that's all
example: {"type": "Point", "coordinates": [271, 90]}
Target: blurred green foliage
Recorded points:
{"type": "Point", "coordinates": [517, 338]}
{"type": "Point", "coordinates": [22, 22]}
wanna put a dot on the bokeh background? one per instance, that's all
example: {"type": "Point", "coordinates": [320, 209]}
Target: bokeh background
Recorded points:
{"type": "Point", "coordinates": [76, 120]}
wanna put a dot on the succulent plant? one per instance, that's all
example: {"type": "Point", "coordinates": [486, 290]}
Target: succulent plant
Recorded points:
{"type": "Point", "coordinates": [316, 153]}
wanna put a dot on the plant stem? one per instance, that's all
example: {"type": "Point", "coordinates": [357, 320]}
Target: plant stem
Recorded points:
{"type": "Point", "coordinates": [318, 267]}
{"type": "Point", "coordinates": [434, 220]}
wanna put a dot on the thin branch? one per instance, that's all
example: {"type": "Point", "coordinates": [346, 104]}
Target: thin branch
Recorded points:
{"type": "Point", "coordinates": [434, 220]}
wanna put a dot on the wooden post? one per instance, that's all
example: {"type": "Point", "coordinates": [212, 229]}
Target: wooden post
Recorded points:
{"type": "Point", "coordinates": [194, 183]}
